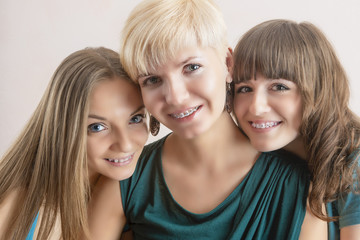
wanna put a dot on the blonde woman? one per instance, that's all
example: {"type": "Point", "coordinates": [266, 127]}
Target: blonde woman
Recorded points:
{"type": "Point", "coordinates": [90, 123]}
{"type": "Point", "coordinates": [291, 92]}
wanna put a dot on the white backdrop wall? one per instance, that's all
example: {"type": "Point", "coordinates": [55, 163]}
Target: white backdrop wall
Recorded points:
{"type": "Point", "coordinates": [35, 36]}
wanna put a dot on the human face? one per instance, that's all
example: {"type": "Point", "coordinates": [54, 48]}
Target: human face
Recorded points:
{"type": "Point", "coordinates": [269, 111]}
{"type": "Point", "coordinates": [187, 93]}
{"type": "Point", "coordinates": [117, 130]}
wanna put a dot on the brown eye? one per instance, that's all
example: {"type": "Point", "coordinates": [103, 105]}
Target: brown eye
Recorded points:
{"type": "Point", "coordinates": [279, 87]}
{"type": "Point", "coordinates": [244, 89]}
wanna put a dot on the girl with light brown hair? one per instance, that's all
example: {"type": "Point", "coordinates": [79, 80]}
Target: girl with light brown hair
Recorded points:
{"type": "Point", "coordinates": [292, 92]}
{"type": "Point", "coordinates": [89, 124]}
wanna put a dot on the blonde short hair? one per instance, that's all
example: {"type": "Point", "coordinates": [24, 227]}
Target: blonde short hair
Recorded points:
{"type": "Point", "coordinates": [157, 29]}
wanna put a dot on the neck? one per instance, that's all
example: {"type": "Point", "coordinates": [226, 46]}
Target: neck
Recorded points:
{"type": "Point", "coordinates": [208, 147]}
{"type": "Point", "coordinates": [93, 178]}
{"type": "Point", "coordinates": [297, 147]}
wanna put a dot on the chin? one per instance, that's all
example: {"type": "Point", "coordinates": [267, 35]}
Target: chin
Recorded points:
{"type": "Point", "coordinates": [124, 175]}
{"type": "Point", "coordinates": [265, 147]}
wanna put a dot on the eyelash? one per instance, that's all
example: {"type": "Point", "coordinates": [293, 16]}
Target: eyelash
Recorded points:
{"type": "Point", "coordinates": [96, 124]}
{"type": "Point", "coordinates": [274, 87]}
{"type": "Point", "coordinates": [187, 70]}
{"type": "Point", "coordinates": [143, 116]}
{"type": "Point", "coordinates": [282, 86]}
{"type": "Point", "coordinates": [147, 81]}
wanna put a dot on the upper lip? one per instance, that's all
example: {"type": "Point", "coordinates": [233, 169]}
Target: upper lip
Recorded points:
{"type": "Point", "coordinates": [123, 157]}
{"type": "Point", "coordinates": [184, 111]}
{"type": "Point", "coordinates": [263, 121]}
{"type": "Point", "coordinates": [264, 124]}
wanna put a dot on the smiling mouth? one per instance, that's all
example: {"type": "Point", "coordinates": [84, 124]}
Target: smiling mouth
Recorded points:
{"type": "Point", "coordinates": [264, 125]}
{"type": "Point", "coordinates": [186, 113]}
{"type": "Point", "coordinates": [120, 160]}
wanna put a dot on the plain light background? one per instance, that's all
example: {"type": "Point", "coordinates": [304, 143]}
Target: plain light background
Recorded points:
{"type": "Point", "coordinates": [35, 36]}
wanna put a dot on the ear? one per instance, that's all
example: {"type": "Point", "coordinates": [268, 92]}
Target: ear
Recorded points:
{"type": "Point", "coordinates": [229, 64]}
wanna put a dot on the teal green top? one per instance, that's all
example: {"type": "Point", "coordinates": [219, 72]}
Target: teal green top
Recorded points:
{"type": "Point", "coordinates": [346, 207]}
{"type": "Point", "coordinates": [269, 203]}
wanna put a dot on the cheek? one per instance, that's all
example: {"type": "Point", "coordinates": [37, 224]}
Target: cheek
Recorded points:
{"type": "Point", "coordinates": [151, 98]}
{"type": "Point", "coordinates": [140, 135]}
{"type": "Point", "coordinates": [240, 105]}
{"type": "Point", "coordinates": [95, 146]}
{"type": "Point", "coordinates": [91, 149]}
{"type": "Point", "coordinates": [296, 113]}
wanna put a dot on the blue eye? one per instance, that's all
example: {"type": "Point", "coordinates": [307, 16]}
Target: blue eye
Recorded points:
{"type": "Point", "coordinates": [150, 81]}
{"type": "Point", "coordinates": [96, 127]}
{"type": "Point", "coordinates": [139, 118]}
{"type": "Point", "coordinates": [192, 67]}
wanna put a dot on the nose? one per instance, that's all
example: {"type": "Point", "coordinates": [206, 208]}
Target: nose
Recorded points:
{"type": "Point", "coordinates": [259, 104]}
{"type": "Point", "coordinates": [122, 141]}
{"type": "Point", "coordinates": [175, 91]}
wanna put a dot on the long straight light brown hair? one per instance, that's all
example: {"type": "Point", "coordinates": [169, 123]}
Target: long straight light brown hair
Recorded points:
{"type": "Point", "coordinates": [47, 163]}
{"type": "Point", "coordinates": [330, 130]}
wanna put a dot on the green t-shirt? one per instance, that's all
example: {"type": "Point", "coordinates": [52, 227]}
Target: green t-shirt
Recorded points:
{"type": "Point", "coordinates": [269, 203]}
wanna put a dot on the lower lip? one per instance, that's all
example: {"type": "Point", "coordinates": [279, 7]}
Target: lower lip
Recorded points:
{"type": "Point", "coordinates": [120, 164]}
{"type": "Point", "coordinates": [188, 118]}
{"type": "Point", "coordinates": [263, 130]}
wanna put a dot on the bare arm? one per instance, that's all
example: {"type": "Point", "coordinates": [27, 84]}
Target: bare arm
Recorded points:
{"type": "Point", "coordinates": [350, 232]}
{"type": "Point", "coordinates": [106, 214]}
{"type": "Point", "coordinates": [313, 227]}
{"type": "Point", "coordinates": [7, 207]}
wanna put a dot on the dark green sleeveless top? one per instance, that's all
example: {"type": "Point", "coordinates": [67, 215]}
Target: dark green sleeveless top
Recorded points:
{"type": "Point", "coordinates": [269, 203]}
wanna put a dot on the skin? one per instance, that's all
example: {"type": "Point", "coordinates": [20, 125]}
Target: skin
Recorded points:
{"type": "Point", "coordinates": [192, 81]}
{"type": "Point", "coordinates": [269, 112]}
{"type": "Point", "coordinates": [116, 130]}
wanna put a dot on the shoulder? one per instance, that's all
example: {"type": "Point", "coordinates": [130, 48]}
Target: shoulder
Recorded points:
{"type": "Point", "coordinates": [154, 146]}
{"type": "Point", "coordinates": [145, 168]}
{"type": "Point", "coordinates": [149, 155]}
{"type": "Point", "coordinates": [106, 215]}
{"type": "Point", "coordinates": [282, 159]}
{"type": "Point", "coordinates": [7, 208]}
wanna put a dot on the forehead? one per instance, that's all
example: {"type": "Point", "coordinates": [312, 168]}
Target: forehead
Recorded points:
{"type": "Point", "coordinates": [185, 55]}
{"type": "Point", "coordinates": [116, 92]}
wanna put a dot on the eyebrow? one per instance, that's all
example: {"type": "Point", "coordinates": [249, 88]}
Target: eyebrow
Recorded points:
{"type": "Point", "coordinates": [96, 116]}
{"type": "Point", "coordinates": [104, 119]}
{"type": "Point", "coordinates": [138, 109]}
{"type": "Point", "coordinates": [179, 64]}
{"type": "Point", "coordinates": [189, 59]}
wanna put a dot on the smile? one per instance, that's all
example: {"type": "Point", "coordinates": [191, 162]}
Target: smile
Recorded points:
{"type": "Point", "coordinates": [264, 125]}
{"type": "Point", "coordinates": [186, 113]}
{"type": "Point", "coordinates": [120, 160]}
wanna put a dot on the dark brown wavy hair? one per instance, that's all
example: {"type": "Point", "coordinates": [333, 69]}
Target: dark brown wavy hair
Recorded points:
{"type": "Point", "coordinates": [301, 53]}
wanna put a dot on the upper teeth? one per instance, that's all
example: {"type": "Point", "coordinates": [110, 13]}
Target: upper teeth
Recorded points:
{"type": "Point", "coordinates": [186, 113]}
{"type": "Point", "coordinates": [119, 160]}
{"type": "Point", "coordinates": [264, 125]}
